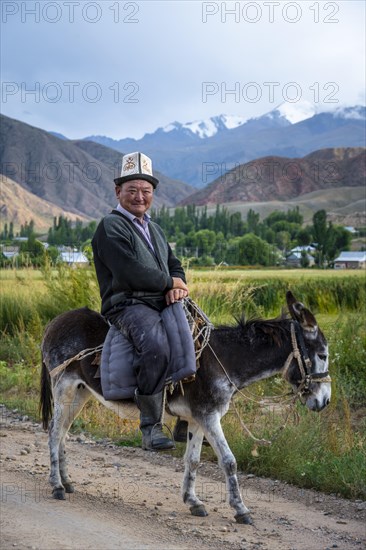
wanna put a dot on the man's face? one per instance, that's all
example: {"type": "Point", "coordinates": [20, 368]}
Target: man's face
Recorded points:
{"type": "Point", "coordinates": [135, 196]}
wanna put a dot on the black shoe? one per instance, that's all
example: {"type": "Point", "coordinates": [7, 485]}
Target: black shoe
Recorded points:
{"type": "Point", "coordinates": [153, 438]}
{"type": "Point", "coordinates": [181, 431]}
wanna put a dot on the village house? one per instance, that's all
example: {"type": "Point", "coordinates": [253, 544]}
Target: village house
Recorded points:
{"type": "Point", "coordinates": [9, 251]}
{"type": "Point", "coordinates": [74, 258]}
{"type": "Point", "coordinates": [350, 260]}
{"type": "Point", "coordinates": [295, 255]}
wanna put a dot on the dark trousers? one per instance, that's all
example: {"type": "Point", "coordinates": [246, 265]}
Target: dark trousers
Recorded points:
{"type": "Point", "coordinates": [143, 326]}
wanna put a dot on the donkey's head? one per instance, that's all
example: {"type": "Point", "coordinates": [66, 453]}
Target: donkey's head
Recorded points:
{"type": "Point", "coordinates": [308, 371]}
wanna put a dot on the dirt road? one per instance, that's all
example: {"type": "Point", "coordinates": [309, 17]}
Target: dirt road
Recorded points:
{"type": "Point", "coordinates": [129, 499]}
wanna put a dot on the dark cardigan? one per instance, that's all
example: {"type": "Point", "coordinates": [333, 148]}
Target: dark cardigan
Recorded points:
{"type": "Point", "coordinates": [128, 271]}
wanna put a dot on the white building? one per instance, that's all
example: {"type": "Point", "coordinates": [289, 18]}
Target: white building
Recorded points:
{"type": "Point", "coordinates": [74, 258]}
{"type": "Point", "coordinates": [295, 256]}
{"type": "Point", "coordinates": [350, 260]}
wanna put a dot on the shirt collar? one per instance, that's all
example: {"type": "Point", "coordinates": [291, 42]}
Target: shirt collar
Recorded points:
{"type": "Point", "coordinates": [130, 216]}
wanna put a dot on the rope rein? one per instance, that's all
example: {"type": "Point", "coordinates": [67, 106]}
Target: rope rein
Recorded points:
{"type": "Point", "coordinates": [306, 379]}
{"type": "Point", "coordinates": [201, 327]}
{"type": "Point", "coordinates": [78, 357]}
{"type": "Point", "coordinates": [263, 442]}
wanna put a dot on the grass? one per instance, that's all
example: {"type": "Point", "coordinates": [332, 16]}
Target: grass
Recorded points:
{"type": "Point", "coordinates": [324, 451]}
{"type": "Point", "coordinates": [262, 293]}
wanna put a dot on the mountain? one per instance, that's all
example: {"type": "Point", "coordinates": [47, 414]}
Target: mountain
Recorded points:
{"type": "Point", "coordinates": [197, 152]}
{"type": "Point", "coordinates": [280, 178]}
{"type": "Point", "coordinates": [76, 176]}
{"type": "Point", "coordinates": [184, 133]}
{"type": "Point", "coordinates": [58, 135]}
{"type": "Point", "coordinates": [295, 112]}
{"type": "Point", "coordinates": [206, 128]}
{"type": "Point", "coordinates": [345, 207]}
{"type": "Point", "coordinates": [19, 206]}
{"type": "Point", "coordinates": [42, 172]}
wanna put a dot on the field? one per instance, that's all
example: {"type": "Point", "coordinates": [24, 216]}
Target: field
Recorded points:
{"type": "Point", "coordinates": [323, 451]}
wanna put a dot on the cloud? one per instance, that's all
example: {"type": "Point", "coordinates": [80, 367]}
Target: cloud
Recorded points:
{"type": "Point", "coordinates": [125, 68]}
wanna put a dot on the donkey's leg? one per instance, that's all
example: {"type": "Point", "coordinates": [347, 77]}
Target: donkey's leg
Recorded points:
{"type": "Point", "coordinates": [70, 395]}
{"type": "Point", "coordinates": [192, 460]}
{"type": "Point", "coordinates": [82, 395]}
{"type": "Point", "coordinates": [65, 478]}
{"type": "Point", "coordinates": [213, 431]}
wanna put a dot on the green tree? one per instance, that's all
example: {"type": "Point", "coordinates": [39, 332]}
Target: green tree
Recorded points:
{"type": "Point", "coordinates": [219, 252]}
{"type": "Point", "coordinates": [304, 260]}
{"type": "Point", "coordinates": [205, 241]}
{"type": "Point", "coordinates": [283, 225]}
{"type": "Point", "coordinates": [5, 233]}
{"type": "Point", "coordinates": [283, 241]}
{"type": "Point", "coordinates": [330, 239]}
{"type": "Point", "coordinates": [249, 250]}
{"type": "Point", "coordinates": [88, 250]}
{"type": "Point", "coordinates": [236, 224]}
{"type": "Point", "coordinates": [293, 216]}
{"type": "Point", "coordinates": [32, 252]}
{"type": "Point", "coordinates": [321, 235]}
{"type": "Point", "coordinates": [304, 236]}
{"type": "Point", "coordinates": [270, 235]}
{"type": "Point", "coordinates": [252, 221]}
{"type": "Point", "coordinates": [203, 220]}
{"type": "Point", "coordinates": [341, 240]}
{"type": "Point", "coordinates": [52, 254]}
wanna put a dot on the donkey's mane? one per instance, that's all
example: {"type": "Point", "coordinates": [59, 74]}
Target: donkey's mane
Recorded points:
{"type": "Point", "coordinates": [256, 329]}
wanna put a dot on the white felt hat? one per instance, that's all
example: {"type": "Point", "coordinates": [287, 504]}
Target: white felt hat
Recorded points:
{"type": "Point", "coordinates": [136, 166]}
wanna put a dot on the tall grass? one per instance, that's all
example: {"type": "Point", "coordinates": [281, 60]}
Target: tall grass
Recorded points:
{"type": "Point", "coordinates": [325, 451]}
{"type": "Point", "coordinates": [347, 342]}
{"type": "Point", "coordinates": [322, 451]}
{"type": "Point", "coordinates": [222, 293]}
{"type": "Point", "coordinates": [60, 290]}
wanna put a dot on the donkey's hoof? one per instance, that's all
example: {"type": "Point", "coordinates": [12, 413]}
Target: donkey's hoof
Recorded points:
{"type": "Point", "coordinates": [59, 493]}
{"type": "Point", "coordinates": [69, 488]}
{"type": "Point", "coordinates": [244, 518]}
{"type": "Point", "coordinates": [198, 510]}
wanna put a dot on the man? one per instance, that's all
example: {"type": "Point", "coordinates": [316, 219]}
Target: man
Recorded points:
{"type": "Point", "coordinates": [138, 277]}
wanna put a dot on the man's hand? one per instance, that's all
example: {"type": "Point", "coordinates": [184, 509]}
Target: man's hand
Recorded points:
{"type": "Point", "coordinates": [179, 291]}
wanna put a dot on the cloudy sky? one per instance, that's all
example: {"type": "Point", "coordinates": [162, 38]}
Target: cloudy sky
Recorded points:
{"type": "Point", "coordinates": [122, 69]}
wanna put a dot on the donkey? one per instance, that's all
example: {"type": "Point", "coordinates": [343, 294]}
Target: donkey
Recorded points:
{"type": "Point", "coordinates": [235, 357]}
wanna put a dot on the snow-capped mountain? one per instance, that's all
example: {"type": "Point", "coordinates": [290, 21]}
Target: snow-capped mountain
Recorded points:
{"type": "Point", "coordinates": [208, 127]}
{"type": "Point", "coordinates": [291, 112]}
{"type": "Point", "coordinates": [185, 150]}
{"type": "Point", "coordinates": [295, 112]}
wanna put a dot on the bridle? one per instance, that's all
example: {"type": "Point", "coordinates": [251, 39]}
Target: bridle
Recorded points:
{"type": "Point", "coordinates": [300, 353]}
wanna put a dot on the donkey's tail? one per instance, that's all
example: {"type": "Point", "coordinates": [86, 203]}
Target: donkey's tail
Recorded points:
{"type": "Point", "coordinates": [46, 400]}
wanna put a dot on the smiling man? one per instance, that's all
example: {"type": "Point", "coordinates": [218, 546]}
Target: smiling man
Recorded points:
{"type": "Point", "coordinates": [138, 277]}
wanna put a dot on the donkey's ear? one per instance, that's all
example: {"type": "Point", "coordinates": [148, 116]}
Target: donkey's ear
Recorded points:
{"type": "Point", "coordinates": [291, 300]}
{"type": "Point", "coordinates": [300, 313]}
